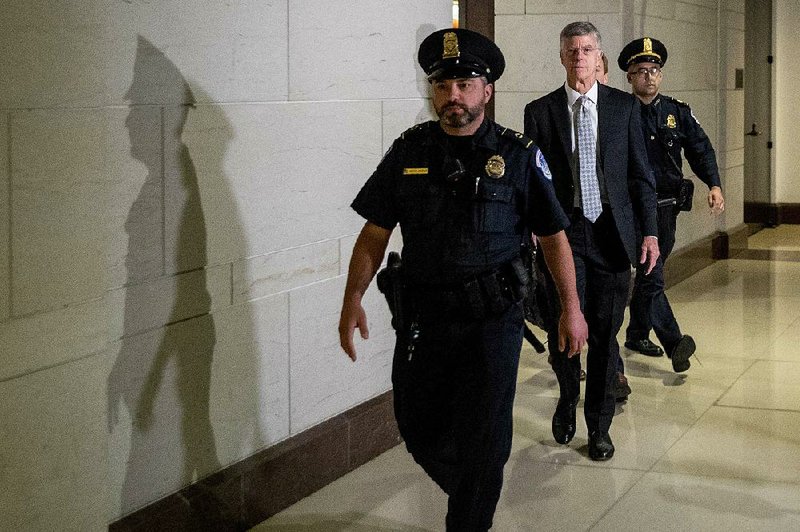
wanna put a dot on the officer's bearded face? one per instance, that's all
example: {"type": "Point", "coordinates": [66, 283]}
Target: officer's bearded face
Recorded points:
{"type": "Point", "coordinates": [645, 79]}
{"type": "Point", "coordinates": [460, 102]}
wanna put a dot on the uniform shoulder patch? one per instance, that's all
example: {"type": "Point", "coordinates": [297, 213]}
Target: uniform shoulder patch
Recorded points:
{"type": "Point", "coordinates": [541, 164]}
{"type": "Point", "coordinates": [415, 130]}
{"type": "Point", "coordinates": [677, 101]}
{"type": "Point", "coordinates": [519, 137]}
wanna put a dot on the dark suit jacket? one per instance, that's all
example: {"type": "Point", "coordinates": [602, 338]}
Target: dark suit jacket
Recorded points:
{"type": "Point", "coordinates": [621, 152]}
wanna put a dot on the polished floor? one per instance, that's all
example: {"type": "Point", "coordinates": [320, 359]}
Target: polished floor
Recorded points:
{"type": "Point", "coordinates": [714, 449]}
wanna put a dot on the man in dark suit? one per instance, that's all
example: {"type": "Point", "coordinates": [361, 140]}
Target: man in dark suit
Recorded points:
{"type": "Point", "coordinates": [591, 136]}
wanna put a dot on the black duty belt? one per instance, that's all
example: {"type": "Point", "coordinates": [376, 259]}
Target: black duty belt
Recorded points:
{"type": "Point", "coordinates": [485, 294]}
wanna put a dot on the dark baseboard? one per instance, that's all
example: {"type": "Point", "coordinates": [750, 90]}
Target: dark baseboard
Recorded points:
{"type": "Point", "coordinates": [248, 492]}
{"type": "Point", "coordinates": [771, 214]}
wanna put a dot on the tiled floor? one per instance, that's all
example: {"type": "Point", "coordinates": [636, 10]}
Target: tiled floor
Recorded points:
{"type": "Point", "coordinates": [717, 448]}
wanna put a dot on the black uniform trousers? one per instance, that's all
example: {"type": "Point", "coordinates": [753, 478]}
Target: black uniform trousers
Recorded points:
{"type": "Point", "coordinates": [650, 308]}
{"type": "Point", "coordinates": [453, 399]}
{"type": "Point", "coordinates": [602, 273]}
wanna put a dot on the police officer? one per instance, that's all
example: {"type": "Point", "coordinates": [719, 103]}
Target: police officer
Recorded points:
{"type": "Point", "coordinates": [669, 128]}
{"type": "Point", "coordinates": [466, 194]}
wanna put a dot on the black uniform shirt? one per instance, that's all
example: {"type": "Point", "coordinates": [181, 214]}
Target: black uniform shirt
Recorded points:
{"type": "Point", "coordinates": [497, 193]}
{"type": "Point", "coordinates": [669, 126]}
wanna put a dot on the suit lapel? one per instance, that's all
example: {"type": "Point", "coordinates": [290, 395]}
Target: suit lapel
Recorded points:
{"type": "Point", "coordinates": [605, 116]}
{"type": "Point", "coordinates": [558, 108]}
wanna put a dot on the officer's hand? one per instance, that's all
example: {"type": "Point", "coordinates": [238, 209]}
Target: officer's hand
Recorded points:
{"type": "Point", "coordinates": [572, 332]}
{"type": "Point", "coordinates": [352, 316]}
{"type": "Point", "coordinates": [650, 253]}
{"type": "Point", "coordinates": [715, 200]}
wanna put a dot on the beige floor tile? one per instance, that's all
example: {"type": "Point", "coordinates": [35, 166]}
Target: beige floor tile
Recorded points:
{"type": "Point", "coordinates": [784, 236]}
{"type": "Point", "coordinates": [681, 502]}
{"type": "Point", "coordinates": [543, 496]}
{"type": "Point", "coordinates": [739, 443]}
{"type": "Point", "coordinates": [767, 384]}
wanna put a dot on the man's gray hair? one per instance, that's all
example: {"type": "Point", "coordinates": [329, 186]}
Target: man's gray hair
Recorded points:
{"type": "Point", "coordinates": [579, 29]}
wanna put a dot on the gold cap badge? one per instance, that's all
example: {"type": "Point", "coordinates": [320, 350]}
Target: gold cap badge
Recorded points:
{"type": "Point", "coordinates": [671, 122]}
{"type": "Point", "coordinates": [450, 46]}
{"type": "Point", "coordinates": [648, 45]}
{"type": "Point", "coordinates": [496, 167]}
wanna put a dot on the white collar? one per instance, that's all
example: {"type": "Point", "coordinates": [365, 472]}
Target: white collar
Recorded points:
{"type": "Point", "coordinates": [573, 95]}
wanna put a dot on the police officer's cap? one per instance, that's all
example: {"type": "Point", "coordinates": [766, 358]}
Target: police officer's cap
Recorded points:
{"type": "Point", "coordinates": [458, 53]}
{"type": "Point", "coordinates": [644, 50]}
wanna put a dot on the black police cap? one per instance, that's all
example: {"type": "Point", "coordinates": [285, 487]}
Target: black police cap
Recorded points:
{"type": "Point", "coordinates": [459, 53]}
{"type": "Point", "coordinates": [644, 50]}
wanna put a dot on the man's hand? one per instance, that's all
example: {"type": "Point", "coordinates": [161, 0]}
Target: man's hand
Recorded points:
{"type": "Point", "coordinates": [572, 332]}
{"type": "Point", "coordinates": [715, 200]}
{"type": "Point", "coordinates": [650, 253]}
{"type": "Point", "coordinates": [352, 317]}
{"type": "Point", "coordinates": [364, 263]}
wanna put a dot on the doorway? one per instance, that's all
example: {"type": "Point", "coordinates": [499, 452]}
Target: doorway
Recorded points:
{"type": "Point", "coordinates": [758, 183]}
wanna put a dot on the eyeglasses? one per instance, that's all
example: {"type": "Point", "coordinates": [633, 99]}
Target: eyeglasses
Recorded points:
{"type": "Point", "coordinates": [642, 72]}
{"type": "Point", "coordinates": [585, 49]}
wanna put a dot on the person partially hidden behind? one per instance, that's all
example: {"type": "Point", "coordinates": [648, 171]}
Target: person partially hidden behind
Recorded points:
{"type": "Point", "coordinates": [669, 127]}
{"type": "Point", "coordinates": [604, 183]}
{"type": "Point", "coordinates": [466, 193]}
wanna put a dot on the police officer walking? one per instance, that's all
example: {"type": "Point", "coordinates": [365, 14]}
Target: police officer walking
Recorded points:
{"type": "Point", "coordinates": [669, 128]}
{"type": "Point", "coordinates": [466, 193]}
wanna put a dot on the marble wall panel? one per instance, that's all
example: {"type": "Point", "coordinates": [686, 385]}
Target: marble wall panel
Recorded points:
{"type": "Point", "coordinates": [160, 402]}
{"type": "Point", "coordinates": [51, 338]}
{"type": "Point", "coordinates": [733, 120]}
{"type": "Point", "coordinates": [270, 177]}
{"type": "Point", "coordinates": [228, 51]}
{"type": "Point", "coordinates": [53, 54]}
{"type": "Point", "coordinates": [655, 8]}
{"type": "Point", "coordinates": [531, 48]}
{"type": "Point", "coordinates": [545, 7]}
{"type": "Point", "coordinates": [249, 404]}
{"type": "Point", "coordinates": [509, 7]}
{"type": "Point", "coordinates": [509, 108]}
{"type": "Point", "coordinates": [284, 270]}
{"type": "Point", "coordinates": [74, 178]}
{"type": "Point", "coordinates": [5, 228]}
{"type": "Point", "coordinates": [731, 56]}
{"type": "Point", "coordinates": [692, 57]}
{"type": "Point", "coordinates": [335, 55]}
{"type": "Point", "coordinates": [157, 303]}
{"type": "Point", "coordinates": [737, 6]}
{"type": "Point", "coordinates": [324, 381]}
{"type": "Point", "coordinates": [54, 448]}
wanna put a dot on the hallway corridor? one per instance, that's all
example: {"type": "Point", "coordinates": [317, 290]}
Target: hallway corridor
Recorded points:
{"type": "Point", "coordinates": [716, 448]}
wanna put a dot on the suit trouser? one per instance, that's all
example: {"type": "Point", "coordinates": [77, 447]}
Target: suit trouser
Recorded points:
{"type": "Point", "coordinates": [453, 401]}
{"type": "Point", "coordinates": [650, 308]}
{"type": "Point", "coordinates": [602, 273]}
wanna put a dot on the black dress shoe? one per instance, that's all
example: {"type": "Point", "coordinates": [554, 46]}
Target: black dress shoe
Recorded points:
{"type": "Point", "coordinates": [645, 347]}
{"type": "Point", "coordinates": [621, 387]}
{"type": "Point", "coordinates": [564, 421]}
{"type": "Point", "coordinates": [600, 446]}
{"type": "Point", "coordinates": [681, 353]}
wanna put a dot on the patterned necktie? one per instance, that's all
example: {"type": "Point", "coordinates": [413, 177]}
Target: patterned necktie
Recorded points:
{"type": "Point", "coordinates": [587, 161]}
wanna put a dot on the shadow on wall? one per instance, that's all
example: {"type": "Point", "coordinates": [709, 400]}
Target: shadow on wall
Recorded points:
{"type": "Point", "coordinates": [427, 112]}
{"type": "Point", "coordinates": [163, 372]}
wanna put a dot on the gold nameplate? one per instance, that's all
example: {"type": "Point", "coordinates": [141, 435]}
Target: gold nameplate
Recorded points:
{"type": "Point", "coordinates": [415, 171]}
{"type": "Point", "coordinates": [671, 122]}
{"type": "Point", "coordinates": [450, 45]}
{"type": "Point", "coordinates": [496, 166]}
